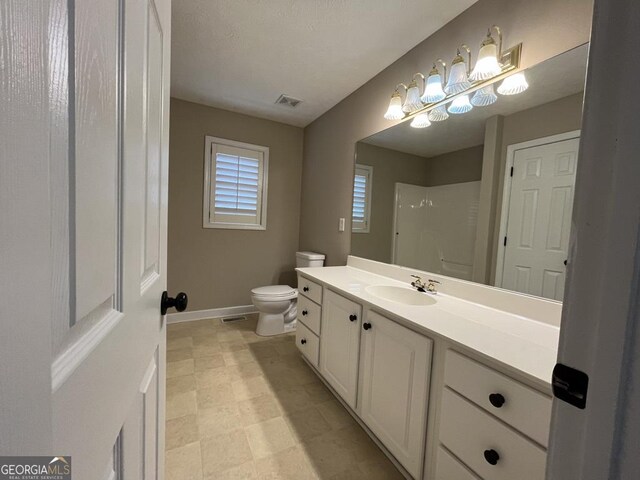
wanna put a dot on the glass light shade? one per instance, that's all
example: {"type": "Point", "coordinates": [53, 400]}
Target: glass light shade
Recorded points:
{"type": "Point", "coordinates": [483, 97]}
{"type": "Point", "coordinates": [460, 105]}
{"type": "Point", "coordinates": [433, 90]}
{"type": "Point", "coordinates": [394, 112]}
{"type": "Point", "coordinates": [412, 101]}
{"type": "Point", "coordinates": [438, 114]}
{"type": "Point", "coordinates": [487, 65]}
{"type": "Point", "coordinates": [420, 121]}
{"type": "Point", "coordinates": [458, 80]}
{"type": "Point", "coordinates": [513, 85]}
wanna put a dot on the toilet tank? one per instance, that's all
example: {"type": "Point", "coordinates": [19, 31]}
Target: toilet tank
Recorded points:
{"type": "Point", "coordinates": [309, 259]}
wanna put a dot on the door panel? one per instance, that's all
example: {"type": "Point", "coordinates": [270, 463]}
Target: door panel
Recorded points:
{"type": "Point", "coordinates": [539, 218]}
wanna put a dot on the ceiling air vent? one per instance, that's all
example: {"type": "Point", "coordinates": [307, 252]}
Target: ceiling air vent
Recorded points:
{"type": "Point", "coordinates": [288, 101]}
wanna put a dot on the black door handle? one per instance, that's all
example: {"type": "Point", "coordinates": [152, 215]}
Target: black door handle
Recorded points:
{"type": "Point", "coordinates": [179, 303]}
{"type": "Point", "coordinates": [366, 326]}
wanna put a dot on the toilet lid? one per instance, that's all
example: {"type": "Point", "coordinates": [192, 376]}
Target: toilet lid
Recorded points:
{"type": "Point", "coordinates": [274, 291]}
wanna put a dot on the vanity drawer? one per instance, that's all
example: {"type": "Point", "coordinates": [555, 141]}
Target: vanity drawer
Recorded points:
{"type": "Point", "coordinates": [309, 289]}
{"type": "Point", "coordinates": [449, 468]}
{"type": "Point", "coordinates": [524, 408]}
{"type": "Point", "coordinates": [309, 313]}
{"type": "Point", "coordinates": [308, 343]}
{"type": "Point", "coordinates": [470, 434]}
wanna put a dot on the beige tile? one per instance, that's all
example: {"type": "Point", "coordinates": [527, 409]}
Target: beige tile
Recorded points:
{"type": "Point", "coordinates": [208, 362]}
{"type": "Point", "coordinates": [250, 387]}
{"type": "Point", "coordinates": [335, 414]}
{"type": "Point", "coordinates": [178, 343]}
{"type": "Point", "coordinates": [238, 357]}
{"type": "Point", "coordinates": [182, 367]}
{"type": "Point", "coordinates": [234, 346]}
{"type": "Point", "coordinates": [184, 463]}
{"type": "Point", "coordinates": [293, 399]}
{"type": "Point", "coordinates": [214, 396]}
{"type": "Point", "coordinates": [181, 431]}
{"type": "Point", "coordinates": [218, 420]}
{"type": "Point", "coordinates": [356, 441]}
{"type": "Point", "coordinates": [229, 336]}
{"type": "Point", "coordinates": [181, 404]}
{"type": "Point", "coordinates": [179, 354]}
{"type": "Point", "coordinates": [290, 464]}
{"type": "Point", "coordinates": [206, 350]}
{"type": "Point", "coordinates": [262, 351]}
{"type": "Point", "coordinates": [180, 384]}
{"type": "Point", "coordinates": [246, 471]}
{"type": "Point", "coordinates": [223, 452]}
{"type": "Point", "coordinates": [258, 409]}
{"type": "Point", "coordinates": [270, 437]}
{"type": "Point", "coordinates": [318, 393]}
{"type": "Point", "coordinates": [306, 424]}
{"type": "Point", "coordinates": [287, 348]}
{"type": "Point", "coordinates": [327, 456]}
{"type": "Point", "coordinates": [205, 340]}
{"type": "Point", "coordinates": [212, 377]}
{"type": "Point", "coordinates": [244, 371]}
{"type": "Point", "coordinates": [379, 468]}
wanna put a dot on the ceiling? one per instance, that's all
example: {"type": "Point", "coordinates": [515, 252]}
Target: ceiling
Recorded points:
{"type": "Point", "coordinates": [241, 55]}
{"type": "Point", "coordinates": [550, 80]}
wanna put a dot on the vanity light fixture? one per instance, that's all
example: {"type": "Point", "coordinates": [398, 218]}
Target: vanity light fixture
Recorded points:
{"type": "Point", "coordinates": [412, 102]}
{"type": "Point", "coordinates": [433, 91]}
{"type": "Point", "coordinates": [483, 97]}
{"type": "Point", "coordinates": [420, 121]}
{"type": "Point", "coordinates": [488, 65]}
{"type": "Point", "coordinates": [459, 74]}
{"type": "Point", "coordinates": [514, 84]}
{"type": "Point", "coordinates": [438, 114]}
{"type": "Point", "coordinates": [394, 112]}
{"type": "Point", "coordinates": [460, 105]}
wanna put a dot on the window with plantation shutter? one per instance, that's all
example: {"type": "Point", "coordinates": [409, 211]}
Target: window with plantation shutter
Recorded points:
{"type": "Point", "coordinates": [361, 199]}
{"type": "Point", "coordinates": [235, 185]}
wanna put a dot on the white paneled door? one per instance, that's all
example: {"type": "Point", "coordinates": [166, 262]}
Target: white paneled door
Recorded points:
{"type": "Point", "coordinates": [101, 68]}
{"type": "Point", "coordinates": [539, 218]}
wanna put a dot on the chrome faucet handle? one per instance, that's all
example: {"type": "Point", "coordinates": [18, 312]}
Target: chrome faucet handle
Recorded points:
{"type": "Point", "coordinates": [433, 281]}
{"type": "Point", "coordinates": [418, 283]}
{"type": "Point", "coordinates": [431, 287]}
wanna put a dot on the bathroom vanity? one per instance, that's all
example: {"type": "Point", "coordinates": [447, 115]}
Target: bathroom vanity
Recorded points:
{"type": "Point", "coordinates": [451, 385]}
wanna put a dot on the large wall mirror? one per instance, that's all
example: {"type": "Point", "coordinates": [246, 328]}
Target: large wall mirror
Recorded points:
{"type": "Point", "coordinates": [419, 193]}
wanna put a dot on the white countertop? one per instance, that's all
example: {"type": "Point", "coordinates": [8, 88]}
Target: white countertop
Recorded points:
{"type": "Point", "coordinates": [519, 343]}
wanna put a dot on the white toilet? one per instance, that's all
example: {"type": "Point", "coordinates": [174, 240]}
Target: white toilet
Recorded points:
{"type": "Point", "coordinates": [277, 303]}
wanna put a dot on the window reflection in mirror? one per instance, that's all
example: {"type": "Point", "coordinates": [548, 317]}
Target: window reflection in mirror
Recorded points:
{"type": "Point", "coordinates": [485, 196]}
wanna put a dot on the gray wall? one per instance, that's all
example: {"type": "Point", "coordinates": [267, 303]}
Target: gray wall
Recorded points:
{"type": "Point", "coordinates": [217, 268]}
{"type": "Point", "coordinates": [547, 29]}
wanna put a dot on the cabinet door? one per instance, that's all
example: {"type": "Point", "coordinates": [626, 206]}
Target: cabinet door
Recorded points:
{"type": "Point", "coordinates": [340, 345]}
{"type": "Point", "coordinates": [396, 365]}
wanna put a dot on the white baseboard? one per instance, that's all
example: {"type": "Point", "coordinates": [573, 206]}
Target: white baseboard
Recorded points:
{"type": "Point", "coordinates": [210, 313]}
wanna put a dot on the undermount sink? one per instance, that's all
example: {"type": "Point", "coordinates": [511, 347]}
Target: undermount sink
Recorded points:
{"type": "Point", "coordinates": [404, 295]}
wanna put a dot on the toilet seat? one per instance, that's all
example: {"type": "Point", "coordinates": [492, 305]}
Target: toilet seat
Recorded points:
{"type": "Point", "coordinates": [274, 293]}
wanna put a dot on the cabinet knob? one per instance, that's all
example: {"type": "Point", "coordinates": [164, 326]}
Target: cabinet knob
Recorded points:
{"type": "Point", "coordinates": [497, 400]}
{"type": "Point", "coordinates": [304, 313]}
{"type": "Point", "coordinates": [491, 456]}
{"type": "Point", "coordinates": [303, 341]}
{"type": "Point", "coordinates": [353, 317]}
{"type": "Point", "coordinates": [305, 289]}
{"type": "Point", "coordinates": [366, 326]}
{"type": "Point", "coordinates": [179, 302]}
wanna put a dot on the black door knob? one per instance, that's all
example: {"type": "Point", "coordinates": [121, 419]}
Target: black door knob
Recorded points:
{"type": "Point", "coordinates": [491, 456]}
{"type": "Point", "coordinates": [353, 318]}
{"type": "Point", "coordinates": [497, 400]}
{"type": "Point", "coordinates": [179, 303]}
{"type": "Point", "coordinates": [304, 313]}
{"type": "Point", "coordinates": [303, 341]}
{"type": "Point", "coordinates": [305, 289]}
{"type": "Point", "coordinates": [366, 326]}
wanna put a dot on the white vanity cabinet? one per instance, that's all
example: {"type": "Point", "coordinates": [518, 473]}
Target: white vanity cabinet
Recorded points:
{"type": "Point", "coordinates": [308, 316]}
{"type": "Point", "coordinates": [394, 387]}
{"type": "Point", "coordinates": [340, 344]}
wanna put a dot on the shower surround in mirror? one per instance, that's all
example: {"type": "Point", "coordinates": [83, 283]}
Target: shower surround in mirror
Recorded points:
{"type": "Point", "coordinates": [477, 148]}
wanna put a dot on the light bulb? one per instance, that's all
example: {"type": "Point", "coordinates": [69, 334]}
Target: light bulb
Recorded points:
{"type": "Point", "coordinates": [412, 101]}
{"type": "Point", "coordinates": [483, 97]}
{"type": "Point", "coordinates": [433, 89]}
{"type": "Point", "coordinates": [513, 85]}
{"type": "Point", "coordinates": [438, 114]}
{"type": "Point", "coordinates": [420, 121]}
{"type": "Point", "coordinates": [487, 65]}
{"type": "Point", "coordinates": [460, 105]}
{"type": "Point", "coordinates": [394, 112]}
{"type": "Point", "coordinates": [458, 80]}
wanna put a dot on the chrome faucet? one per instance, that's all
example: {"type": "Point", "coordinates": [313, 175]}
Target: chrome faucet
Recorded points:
{"type": "Point", "coordinates": [429, 287]}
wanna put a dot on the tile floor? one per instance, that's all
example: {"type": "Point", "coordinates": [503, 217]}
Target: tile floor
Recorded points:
{"type": "Point", "coordinates": [240, 406]}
